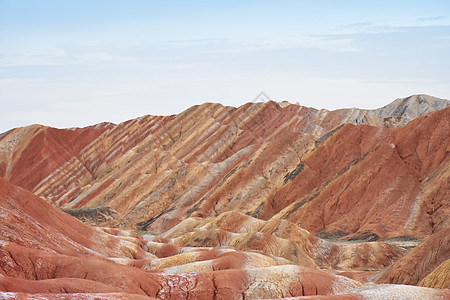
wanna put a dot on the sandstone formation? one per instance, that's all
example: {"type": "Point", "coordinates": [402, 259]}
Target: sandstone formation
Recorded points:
{"type": "Point", "coordinates": [73, 296]}
{"type": "Point", "coordinates": [373, 183]}
{"type": "Point", "coordinates": [280, 239]}
{"type": "Point", "coordinates": [262, 201]}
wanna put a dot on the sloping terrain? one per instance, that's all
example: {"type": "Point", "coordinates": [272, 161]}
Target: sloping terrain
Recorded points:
{"type": "Point", "coordinates": [230, 203]}
{"type": "Point", "coordinates": [374, 183]}
{"type": "Point", "coordinates": [29, 154]}
{"type": "Point", "coordinates": [47, 254]}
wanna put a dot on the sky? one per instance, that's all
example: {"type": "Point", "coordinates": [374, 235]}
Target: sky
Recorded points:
{"type": "Point", "coordinates": [80, 62]}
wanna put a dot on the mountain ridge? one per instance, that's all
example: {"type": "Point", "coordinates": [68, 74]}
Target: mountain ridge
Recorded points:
{"type": "Point", "coordinates": [436, 104]}
{"type": "Point", "coordinates": [139, 167]}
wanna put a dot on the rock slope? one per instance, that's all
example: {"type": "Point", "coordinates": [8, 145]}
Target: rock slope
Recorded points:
{"type": "Point", "coordinates": [439, 278]}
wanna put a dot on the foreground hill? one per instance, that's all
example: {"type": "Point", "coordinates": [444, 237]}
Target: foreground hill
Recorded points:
{"type": "Point", "coordinates": [47, 254]}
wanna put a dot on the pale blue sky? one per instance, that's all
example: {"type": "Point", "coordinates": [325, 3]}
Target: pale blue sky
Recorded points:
{"type": "Point", "coordinates": [80, 62]}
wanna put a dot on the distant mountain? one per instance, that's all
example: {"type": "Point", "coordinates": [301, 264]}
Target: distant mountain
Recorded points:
{"type": "Point", "coordinates": [410, 108]}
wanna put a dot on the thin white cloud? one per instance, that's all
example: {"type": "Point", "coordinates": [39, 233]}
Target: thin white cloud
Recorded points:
{"type": "Point", "coordinates": [235, 45]}
{"type": "Point", "coordinates": [66, 54]}
{"type": "Point", "coordinates": [431, 19]}
{"type": "Point", "coordinates": [364, 27]}
{"type": "Point", "coordinates": [61, 59]}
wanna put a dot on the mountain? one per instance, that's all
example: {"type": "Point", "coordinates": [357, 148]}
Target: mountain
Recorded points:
{"type": "Point", "coordinates": [277, 195]}
{"type": "Point", "coordinates": [156, 171]}
{"type": "Point", "coordinates": [407, 109]}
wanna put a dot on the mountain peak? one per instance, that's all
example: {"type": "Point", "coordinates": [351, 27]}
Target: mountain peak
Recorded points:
{"type": "Point", "coordinates": [410, 107]}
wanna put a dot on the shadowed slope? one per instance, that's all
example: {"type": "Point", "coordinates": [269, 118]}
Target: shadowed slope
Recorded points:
{"type": "Point", "coordinates": [29, 221]}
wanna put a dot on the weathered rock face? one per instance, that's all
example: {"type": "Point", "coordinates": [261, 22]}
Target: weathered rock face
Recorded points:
{"type": "Point", "coordinates": [29, 154]}
{"type": "Point", "coordinates": [74, 296]}
{"type": "Point", "coordinates": [281, 239]}
{"type": "Point", "coordinates": [371, 256]}
{"type": "Point", "coordinates": [30, 222]}
{"type": "Point", "coordinates": [45, 252]}
{"type": "Point", "coordinates": [96, 216]}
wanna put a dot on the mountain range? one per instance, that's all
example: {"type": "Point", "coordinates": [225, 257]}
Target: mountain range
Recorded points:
{"type": "Point", "coordinates": [266, 200]}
